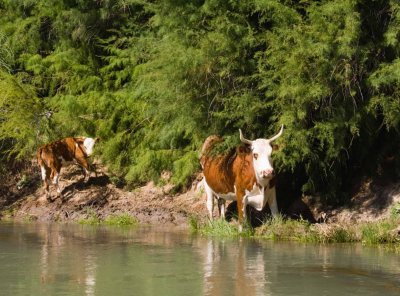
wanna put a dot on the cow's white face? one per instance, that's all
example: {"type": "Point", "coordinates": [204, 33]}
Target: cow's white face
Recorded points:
{"type": "Point", "coordinates": [262, 161]}
{"type": "Point", "coordinates": [89, 145]}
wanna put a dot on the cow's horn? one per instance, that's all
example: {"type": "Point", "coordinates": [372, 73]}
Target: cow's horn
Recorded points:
{"type": "Point", "coordinates": [243, 139]}
{"type": "Point", "coordinates": [277, 135]}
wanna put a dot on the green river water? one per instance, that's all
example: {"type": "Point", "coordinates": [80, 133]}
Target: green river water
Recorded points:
{"type": "Point", "coordinates": [58, 259]}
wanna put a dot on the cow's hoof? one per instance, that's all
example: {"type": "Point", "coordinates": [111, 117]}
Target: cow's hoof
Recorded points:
{"type": "Point", "coordinates": [240, 228]}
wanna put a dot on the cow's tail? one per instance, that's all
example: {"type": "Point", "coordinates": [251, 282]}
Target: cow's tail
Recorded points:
{"type": "Point", "coordinates": [206, 149]}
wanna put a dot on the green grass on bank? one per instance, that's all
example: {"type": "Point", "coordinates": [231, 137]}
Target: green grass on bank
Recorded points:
{"type": "Point", "coordinates": [280, 229]}
{"type": "Point", "coordinates": [113, 220]}
{"type": "Point", "coordinates": [219, 227]}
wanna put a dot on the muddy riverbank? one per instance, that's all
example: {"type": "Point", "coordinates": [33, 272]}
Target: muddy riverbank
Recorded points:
{"type": "Point", "coordinates": [23, 198]}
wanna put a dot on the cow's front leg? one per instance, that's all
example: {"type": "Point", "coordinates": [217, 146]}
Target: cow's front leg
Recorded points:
{"type": "Point", "coordinates": [46, 184]}
{"type": "Point", "coordinates": [241, 213]}
{"type": "Point", "coordinates": [272, 203]}
{"type": "Point", "coordinates": [55, 182]}
{"type": "Point", "coordinates": [84, 164]}
{"type": "Point", "coordinates": [86, 175]}
{"type": "Point", "coordinates": [245, 202]}
{"type": "Point", "coordinates": [46, 181]}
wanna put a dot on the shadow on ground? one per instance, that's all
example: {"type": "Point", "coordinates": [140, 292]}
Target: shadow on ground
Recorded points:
{"type": "Point", "coordinates": [298, 210]}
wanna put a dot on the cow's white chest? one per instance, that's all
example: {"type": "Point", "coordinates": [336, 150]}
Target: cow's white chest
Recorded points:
{"type": "Point", "coordinates": [256, 198]}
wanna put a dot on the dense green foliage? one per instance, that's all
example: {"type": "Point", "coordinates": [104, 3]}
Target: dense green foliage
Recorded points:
{"type": "Point", "coordinates": [154, 78]}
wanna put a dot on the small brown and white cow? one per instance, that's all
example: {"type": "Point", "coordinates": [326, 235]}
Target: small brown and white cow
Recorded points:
{"type": "Point", "coordinates": [51, 157]}
{"type": "Point", "coordinates": [245, 174]}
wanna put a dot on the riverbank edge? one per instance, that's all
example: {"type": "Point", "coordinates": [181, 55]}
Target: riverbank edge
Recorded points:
{"type": "Point", "coordinates": [372, 218]}
{"type": "Point", "coordinates": [384, 231]}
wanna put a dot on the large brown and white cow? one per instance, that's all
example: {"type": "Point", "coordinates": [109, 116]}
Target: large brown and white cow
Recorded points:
{"type": "Point", "coordinates": [51, 157]}
{"type": "Point", "coordinates": [245, 174]}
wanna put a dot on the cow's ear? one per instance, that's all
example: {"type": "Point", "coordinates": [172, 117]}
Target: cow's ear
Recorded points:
{"type": "Point", "coordinates": [275, 147]}
{"type": "Point", "coordinates": [243, 149]}
{"type": "Point", "coordinates": [97, 140]}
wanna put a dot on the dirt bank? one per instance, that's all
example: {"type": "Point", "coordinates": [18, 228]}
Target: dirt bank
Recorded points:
{"type": "Point", "coordinates": [22, 198]}
{"type": "Point", "coordinates": [372, 200]}
{"type": "Point", "coordinates": [100, 197]}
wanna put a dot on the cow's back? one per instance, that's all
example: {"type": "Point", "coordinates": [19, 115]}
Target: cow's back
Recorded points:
{"type": "Point", "coordinates": [217, 168]}
{"type": "Point", "coordinates": [59, 149]}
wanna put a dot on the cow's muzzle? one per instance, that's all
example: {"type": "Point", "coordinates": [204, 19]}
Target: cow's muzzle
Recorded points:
{"type": "Point", "coordinates": [267, 173]}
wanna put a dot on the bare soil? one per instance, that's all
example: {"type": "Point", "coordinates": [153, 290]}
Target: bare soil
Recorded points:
{"type": "Point", "coordinates": [372, 200]}
{"type": "Point", "coordinates": [100, 197]}
{"type": "Point", "coordinates": [23, 198]}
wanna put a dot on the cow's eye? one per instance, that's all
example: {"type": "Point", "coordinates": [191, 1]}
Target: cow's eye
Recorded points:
{"type": "Point", "coordinates": [255, 155]}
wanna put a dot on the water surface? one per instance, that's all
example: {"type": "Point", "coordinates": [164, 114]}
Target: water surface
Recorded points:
{"type": "Point", "coordinates": [56, 259]}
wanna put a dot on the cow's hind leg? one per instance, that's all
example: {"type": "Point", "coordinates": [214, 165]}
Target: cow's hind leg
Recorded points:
{"type": "Point", "coordinates": [221, 207]}
{"type": "Point", "coordinates": [272, 203]}
{"type": "Point", "coordinates": [46, 181]}
{"type": "Point", "coordinates": [210, 200]}
{"type": "Point", "coordinates": [55, 166]}
{"type": "Point", "coordinates": [55, 176]}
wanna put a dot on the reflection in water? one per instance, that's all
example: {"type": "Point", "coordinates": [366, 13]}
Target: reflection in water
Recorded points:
{"type": "Point", "coordinates": [54, 256]}
{"type": "Point", "coordinates": [245, 263]}
{"type": "Point", "coordinates": [90, 271]}
{"type": "Point", "coordinates": [250, 267]}
{"type": "Point", "coordinates": [40, 259]}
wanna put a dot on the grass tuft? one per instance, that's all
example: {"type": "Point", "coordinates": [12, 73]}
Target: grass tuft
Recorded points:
{"type": "Point", "coordinates": [113, 220]}
{"type": "Point", "coordinates": [7, 214]}
{"type": "Point", "coordinates": [380, 232]}
{"type": "Point", "coordinates": [91, 220]}
{"type": "Point", "coordinates": [395, 211]}
{"type": "Point", "coordinates": [279, 229]}
{"type": "Point", "coordinates": [219, 228]}
{"type": "Point", "coordinates": [194, 224]}
{"type": "Point", "coordinates": [121, 220]}
{"type": "Point", "coordinates": [299, 230]}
